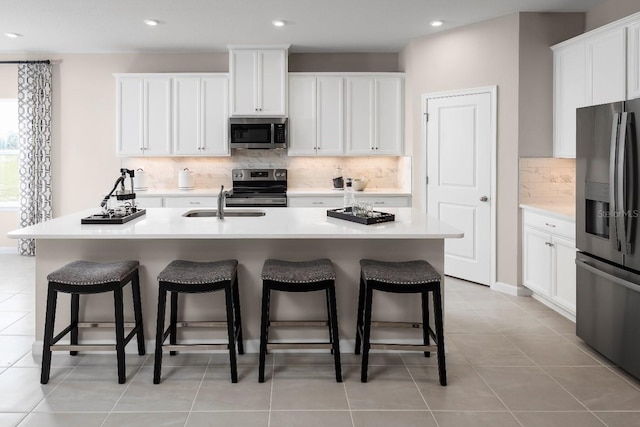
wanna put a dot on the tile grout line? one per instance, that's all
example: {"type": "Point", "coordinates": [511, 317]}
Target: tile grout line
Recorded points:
{"type": "Point", "coordinates": [204, 374]}
{"type": "Point", "coordinates": [344, 385]}
{"type": "Point", "coordinates": [273, 378]}
{"type": "Point", "coordinates": [419, 391]}
{"type": "Point", "coordinates": [125, 389]}
{"type": "Point", "coordinates": [496, 394]}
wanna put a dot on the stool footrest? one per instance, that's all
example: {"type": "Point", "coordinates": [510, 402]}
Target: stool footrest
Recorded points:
{"type": "Point", "coordinates": [201, 324]}
{"type": "Point", "coordinates": [413, 325]}
{"type": "Point", "coordinates": [83, 347]}
{"type": "Point", "coordinates": [298, 323]}
{"type": "Point", "coordinates": [299, 345]}
{"type": "Point", "coordinates": [104, 325]}
{"type": "Point", "coordinates": [405, 347]}
{"type": "Point", "coordinates": [175, 347]}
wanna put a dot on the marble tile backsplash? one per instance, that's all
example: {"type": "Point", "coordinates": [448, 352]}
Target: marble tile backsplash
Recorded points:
{"type": "Point", "coordinates": [304, 172]}
{"type": "Point", "coordinates": [547, 180]}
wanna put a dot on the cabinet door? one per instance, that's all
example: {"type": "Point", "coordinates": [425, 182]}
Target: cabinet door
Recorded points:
{"type": "Point", "coordinates": [633, 61]}
{"type": "Point", "coordinates": [302, 116]}
{"type": "Point", "coordinates": [272, 82]}
{"type": "Point", "coordinates": [244, 70]}
{"type": "Point", "coordinates": [330, 116]}
{"type": "Point", "coordinates": [191, 202]}
{"type": "Point", "coordinates": [214, 131]}
{"type": "Point", "coordinates": [360, 115]}
{"type": "Point", "coordinates": [389, 117]}
{"type": "Point", "coordinates": [607, 67]}
{"type": "Point", "coordinates": [382, 201]}
{"type": "Point", "coordinates": [315, 202]}
{"type": "Point", "coordinates": [564, 268]}
{"type": "Point", "coordinates": [186, 116]}
{"type": "Point", "coordinates": [130, 116]}
{"type": "Point", "coordinates": [157, 121]}
{"type": "Point", "coordinates": [149, 202]}
{"type": "Point", "coordinates": [569, 68]}
{"type": "Point", "coordinates": [537, 261]}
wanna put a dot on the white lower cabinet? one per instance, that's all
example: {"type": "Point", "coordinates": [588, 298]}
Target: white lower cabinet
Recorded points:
{"type": "Point", "coordinates": [149, 202]}
{"type": "Point", "coordinates": [306, 201]}
{"type": "Point", "coordinates": [548, 256]}
{"type": "Point", "coordinates": [190, 202]}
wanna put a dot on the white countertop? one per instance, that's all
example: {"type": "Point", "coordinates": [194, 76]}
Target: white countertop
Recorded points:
{"type": "Point", "coordinates": [562, 211]}
{"type": "Point", "coordinates": [295, 192]}
{"type": "Point", "coordinates": [278, 223]}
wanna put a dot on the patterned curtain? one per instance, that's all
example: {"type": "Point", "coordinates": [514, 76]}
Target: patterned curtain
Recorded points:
{"type": "Point", "coordinates": [34, 160]}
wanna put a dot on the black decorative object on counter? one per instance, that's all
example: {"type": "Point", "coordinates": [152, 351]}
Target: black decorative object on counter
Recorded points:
{"type": "Point", "coordinates": [111, 218]}
{"type": "Point", "coordinates": [375, 218]}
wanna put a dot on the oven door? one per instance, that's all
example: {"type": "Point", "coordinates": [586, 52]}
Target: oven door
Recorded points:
{"type": "Point", "coordinates": [262, 201]}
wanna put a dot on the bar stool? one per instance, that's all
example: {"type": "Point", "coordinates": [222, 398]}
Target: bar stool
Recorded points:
{"type": "Point", "coordinates": [87, 277]}
{"type": "Point", "coordinates": [400, 277]}
{"type": "Point", "coordinates": [198, 277]}
{"type": "Point", "coordinates": [302, 276]}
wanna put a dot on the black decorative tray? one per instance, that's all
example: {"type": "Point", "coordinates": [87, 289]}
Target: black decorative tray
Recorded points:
{"type": "Point", "coordinates": [376, 218]}
{"type": "Point", "coordinates": [112, 219]}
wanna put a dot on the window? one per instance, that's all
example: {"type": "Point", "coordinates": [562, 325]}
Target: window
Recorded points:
{"type": "Point", "coordinates": [9, 185]}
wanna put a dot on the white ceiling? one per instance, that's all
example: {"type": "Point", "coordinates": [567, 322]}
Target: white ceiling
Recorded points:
{"type": "Point", "coordinates": [100, 26]}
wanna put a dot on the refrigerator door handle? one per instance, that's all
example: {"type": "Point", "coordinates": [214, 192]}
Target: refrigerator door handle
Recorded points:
{"type": "Point", "coordinates": [607, 276]}
{"type": "Point", "coordinates": [622, 208]}
{"type": "Point", "coordinates": [613, 173]}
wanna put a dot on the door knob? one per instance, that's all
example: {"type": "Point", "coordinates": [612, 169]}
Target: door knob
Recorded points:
{"type": "Point", "coordinates": [484, 198]}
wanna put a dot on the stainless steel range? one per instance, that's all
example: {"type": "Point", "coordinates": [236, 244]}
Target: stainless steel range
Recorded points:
{"type": "Point", "coordinates": [259, 188]}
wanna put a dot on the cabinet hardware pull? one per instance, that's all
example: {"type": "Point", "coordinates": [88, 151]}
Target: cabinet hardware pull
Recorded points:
{"type": "Point", "coordinates": [194, 203]}
{"type": "Point", "coordinates": [550, 225]}
{"type": "Point", "coordinates": [484, 198]}
{"type": "Point", "coordinates": [318, 203]}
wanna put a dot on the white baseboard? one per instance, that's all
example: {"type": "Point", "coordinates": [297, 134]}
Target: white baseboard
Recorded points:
{"type": "Point", "coordinates": [515, 290]}
{"type": "Point", "coordinates": [555, 307]}
{"type": "Point", "coordinates": [8, 250]}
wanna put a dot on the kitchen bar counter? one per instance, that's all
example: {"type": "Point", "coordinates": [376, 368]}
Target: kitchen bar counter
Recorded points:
{"type": "Point", "coordinates": [299, 192]}
{"type": "Point", "coordinates": [163, 235]}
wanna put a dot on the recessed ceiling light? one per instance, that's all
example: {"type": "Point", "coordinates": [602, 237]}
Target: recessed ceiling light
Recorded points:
{"type": "Point", "coordinates": [437, 23]}
{"type": "Point", "coordinates": [278, 23]}
{"type": "Point", "coordinates": [13, 35]}
{"type": "Point", "coordinates": [151, 22]}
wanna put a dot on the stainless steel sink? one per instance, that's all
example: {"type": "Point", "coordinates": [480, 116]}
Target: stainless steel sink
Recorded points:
{"type": "Point", "coordinates": [202, 213]}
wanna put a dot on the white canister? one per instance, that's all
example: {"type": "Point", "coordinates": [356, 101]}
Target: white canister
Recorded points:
{"type": "Point", "coordinates": [140, 180]}
{"type": "Point", "coordinates": [185, 179]}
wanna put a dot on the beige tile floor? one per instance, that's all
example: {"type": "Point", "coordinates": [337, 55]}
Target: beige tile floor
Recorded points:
{"type": "Point", "coordinates": [511, 362]}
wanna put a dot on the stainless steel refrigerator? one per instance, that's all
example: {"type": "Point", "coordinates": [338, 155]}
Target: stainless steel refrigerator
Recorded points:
{"type": "Point", "coordinates": [608, 231]}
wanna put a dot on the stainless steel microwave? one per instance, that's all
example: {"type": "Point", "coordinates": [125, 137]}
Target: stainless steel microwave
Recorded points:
{"type": "Point", "coordinates": [258, 133]}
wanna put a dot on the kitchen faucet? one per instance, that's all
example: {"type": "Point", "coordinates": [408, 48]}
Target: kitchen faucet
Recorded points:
{"type": "Point", "coordinates": [221, 201]}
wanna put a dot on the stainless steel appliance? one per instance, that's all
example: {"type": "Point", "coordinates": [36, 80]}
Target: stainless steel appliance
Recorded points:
{"type": "Point", "coordinates": [607, 232]}
{"type": "Point", "coordinates": [258, 133]}
{"type": "Point", "coordinates": [259, 188]}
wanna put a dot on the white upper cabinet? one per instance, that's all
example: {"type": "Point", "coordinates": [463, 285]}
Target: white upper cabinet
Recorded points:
{"type": "Point", "coordinates": [570, 92]}
{"type": "Point", "coordinates": [633, 60]}
{"type": "Point", "coordinates": [143, 115]}
{"type": "Point", "coordinates": [316, 105]}
{"type": "Point", "coordinates": [606, 62]}
{"type": "Point", "coordinates": [374, 115]}
{"type": "Point", "coordinates": [258, 82]}
{"type": "Point", "coordinates": [200, 116]}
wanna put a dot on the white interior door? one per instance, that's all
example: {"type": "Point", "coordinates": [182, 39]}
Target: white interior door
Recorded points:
{"type": "Point", "coordinates": [459, 161]}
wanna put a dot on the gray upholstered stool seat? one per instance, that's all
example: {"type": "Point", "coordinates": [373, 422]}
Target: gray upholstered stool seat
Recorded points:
{"type": "Point", "coordinates": [92, 273]}
{"type": "Point", "coordinates": [405, 277]}
{"type": "Point", "coordinates": [299, 276]}
{"type": "Point", "coordinates": [193, 273]}
{"type": "Point", "coordinates": [90, 277]}
{"type": "Point", "coordinates": [317, 270]}
{"type": "Point", "coordinates": [407, 272]}
{"type": "Point", "coordinates": [193, 277]}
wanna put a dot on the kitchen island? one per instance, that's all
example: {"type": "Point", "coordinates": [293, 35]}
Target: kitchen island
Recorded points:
{"type": "Point", "coordinates": [164, 234]}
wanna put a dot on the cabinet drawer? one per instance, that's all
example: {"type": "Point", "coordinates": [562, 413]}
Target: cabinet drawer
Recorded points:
{"type": "Point", "coordinates": [315, 202]}
{"type": "Point", "coordinates": [188, 202]}
{"type": "Point", "coordinates": [149, 202]}
{"type": "Point", "coordinates": [396, 202]}
{"type": "Point", "coordinates": [552, 225]}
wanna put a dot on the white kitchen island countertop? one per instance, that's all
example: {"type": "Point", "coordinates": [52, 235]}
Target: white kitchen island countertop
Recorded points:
{"type": "Point", "coordinates": [278, 223]}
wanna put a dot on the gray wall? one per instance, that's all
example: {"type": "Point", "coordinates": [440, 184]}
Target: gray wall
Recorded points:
{"type": "Point", "coordinates": [609, 11]}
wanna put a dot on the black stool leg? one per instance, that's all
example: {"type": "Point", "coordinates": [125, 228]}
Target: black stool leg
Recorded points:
{"type": "Point", "coordinates": [366, 333]}
{"type": "Point", "coordinates": [75, 309]}
{"type": "Point", "coordinates": [425, 321]}
{"type": "Point", "coordinates": [119, 317]}
{"type": "Point", "coordinates": [437, 303]}
{"type": "Point", "coordinates": [50, 318]}
{"type": "Point", "coordinates": [173, 336]}
{"type": "Point", "coordinates": [162, 306]}
{"type": "Point", "coordinates": [231, 332]}
{"type": "Point", "coordinates": [329, 318]}
{"type": "Point", "coordinates": [333, 315]}
{"type": "Point", "coordinates": [360, 315]}
{"type": "Point", "coordinates": [137, 312]}
{"type": "Point", "coordinates": [236, 311]}
{"type": "Point", "coordinates": [264, 328]}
